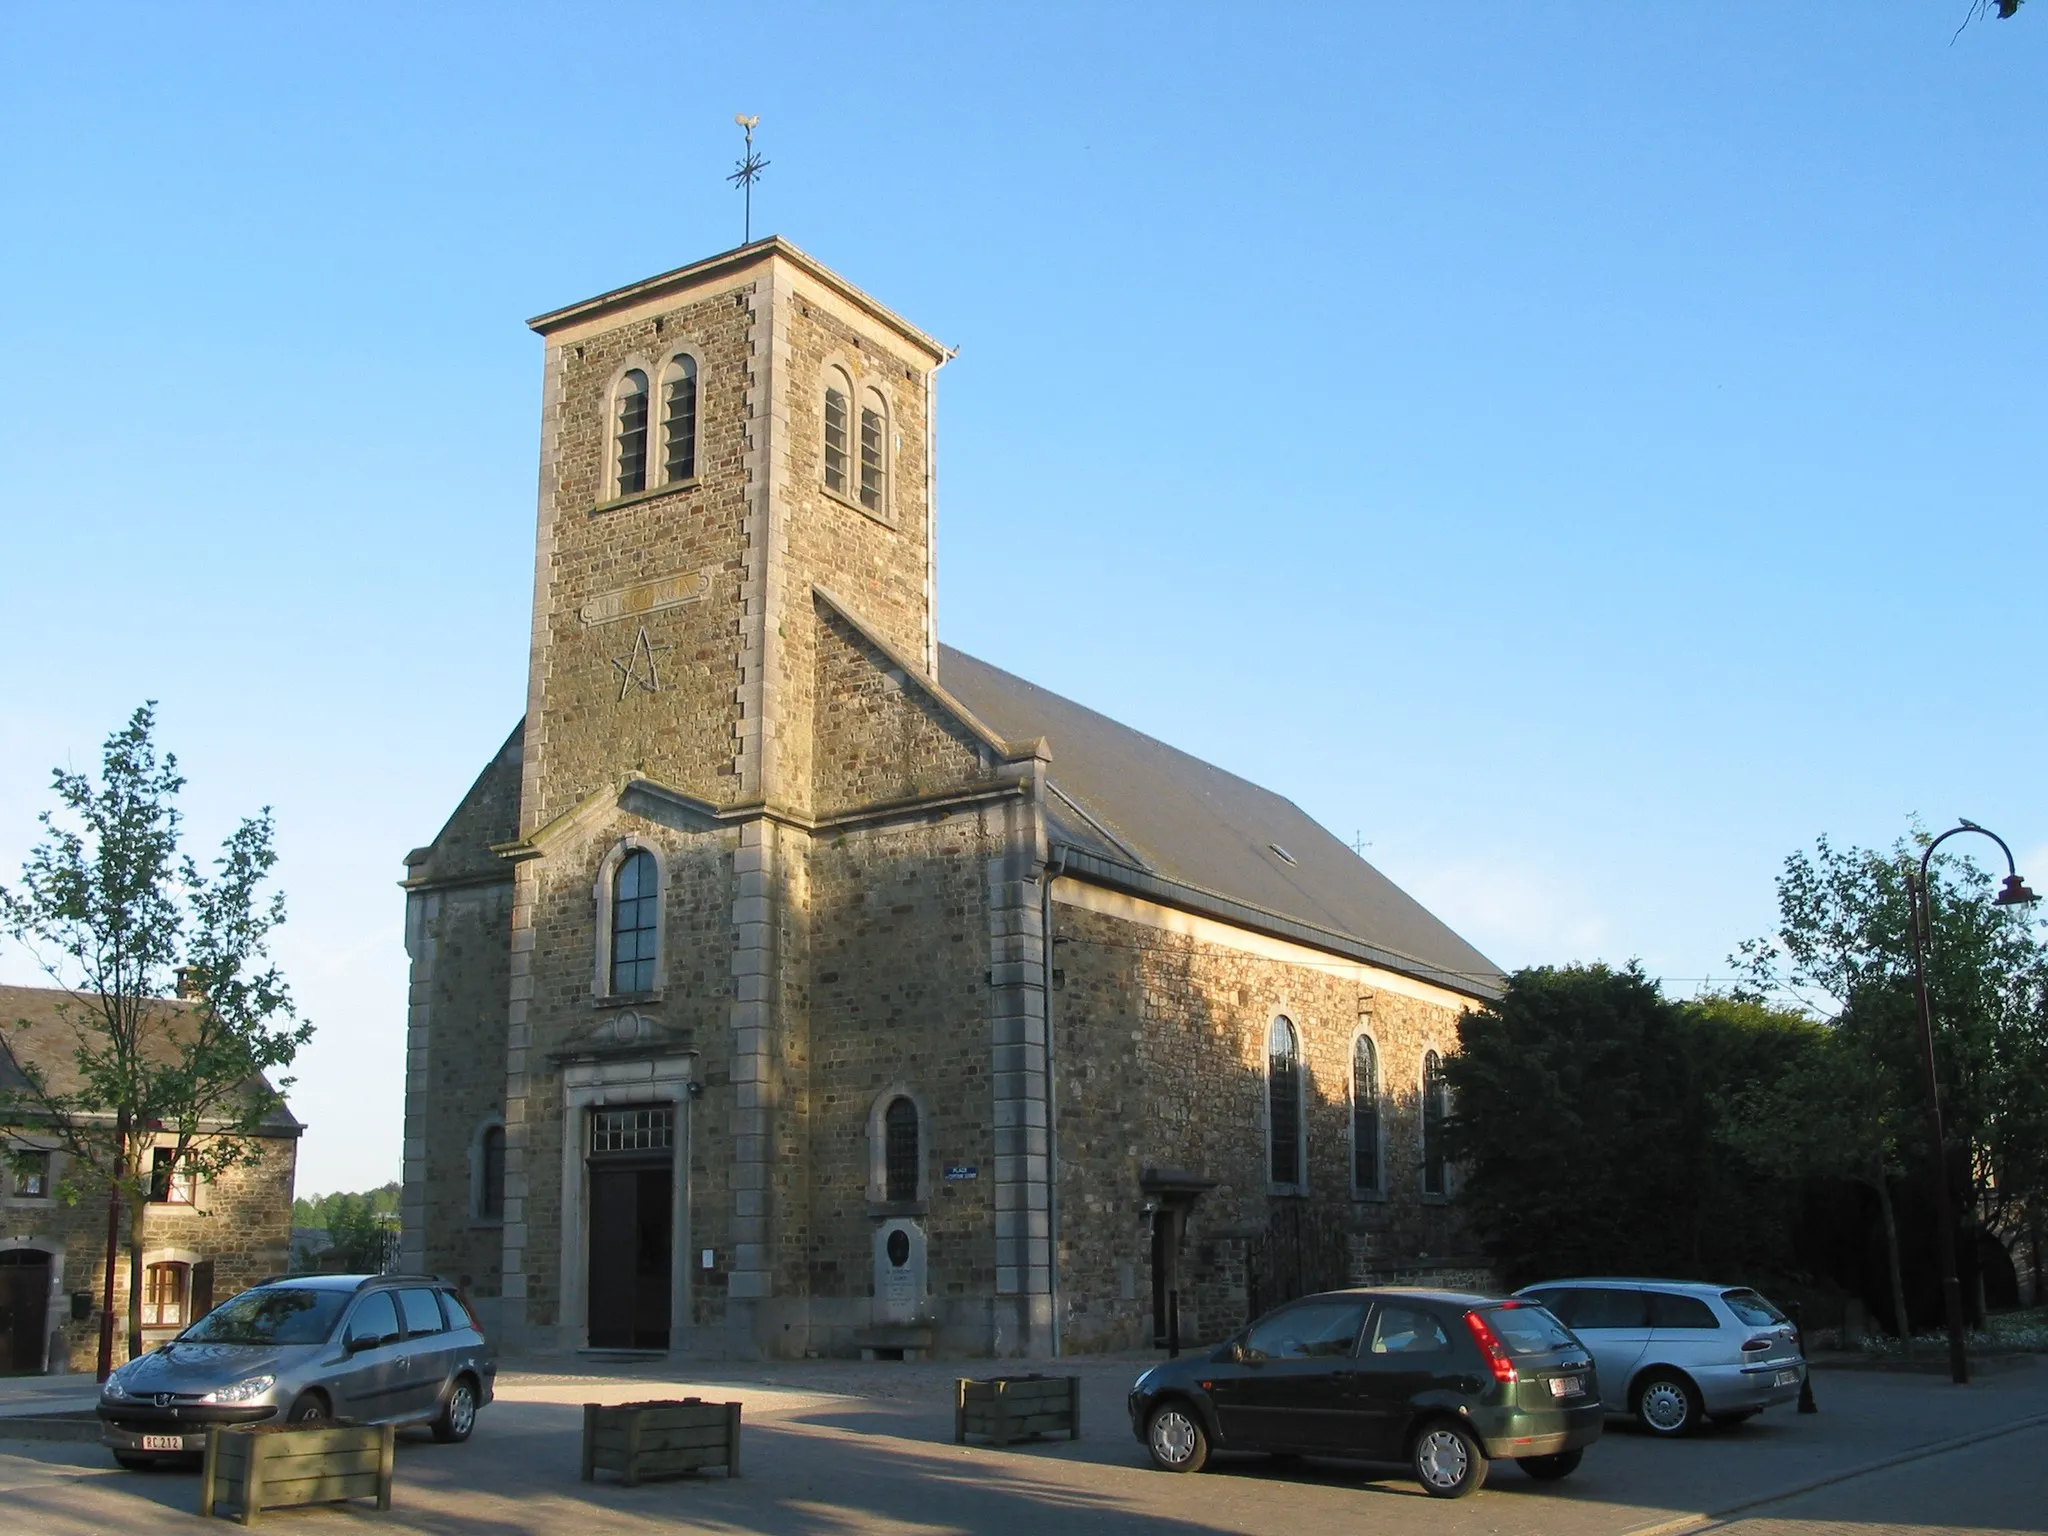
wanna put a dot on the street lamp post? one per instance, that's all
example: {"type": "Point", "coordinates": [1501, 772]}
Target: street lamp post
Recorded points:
{"type": "Point", "coordinates": [1920, 899]}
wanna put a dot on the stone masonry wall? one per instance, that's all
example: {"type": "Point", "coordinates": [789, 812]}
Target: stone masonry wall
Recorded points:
{"type": "Point", "coordinates": [1161, 1041]}
{"type": "Point", "coordinates": [465, 974]}
{"type": "Point", "coordinates": [877, 564]}
{"type": "Point", "coordinates": [899, 1002]}
{"type": "Point", "coordinates": [586, 733]}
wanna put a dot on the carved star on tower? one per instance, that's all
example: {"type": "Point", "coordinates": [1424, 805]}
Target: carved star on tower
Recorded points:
{"type": "Point", "coordinates": [629, 666]}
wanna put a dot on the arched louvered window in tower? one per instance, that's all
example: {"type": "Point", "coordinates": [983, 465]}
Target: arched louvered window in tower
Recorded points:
{"type": "Point", "coordinates": [1283, 1102]}
{"type": "Point", "coordinates": [679, 420]}
{"type": "Point", "coordinates": [1365, 1116]}
{"type": "Point", "coordinates": [636, 922]}
{"type": "Point", "coordinates": [902, 1156]}
{"type": "Point", "coordinates": [874, 452]}
{"type": "Point", "coordinates": [629, 435]}
{"type": "Point", "coordinates": [1436, 1108]}
{"type": "Point", "coordinates": [838, 426]}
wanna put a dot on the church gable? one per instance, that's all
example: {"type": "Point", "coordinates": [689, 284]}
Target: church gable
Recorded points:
{"type": "Point", "coordinates": [463, 850]}
{"type": "Point", "coordinates": [882, 732]}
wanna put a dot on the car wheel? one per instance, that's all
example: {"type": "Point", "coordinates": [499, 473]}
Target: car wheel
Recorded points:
{"type": "Point", "coordinates": [1176, 1439]}
{"type": "Point", "coordinates": [307, 1408]}
{"type": "Point", "coordinates": [458, 1413]}
{"type": "Point", "coordinates": [1448, 1461]}
{"type": "Point", "coordinates": [1667, 1404]}
{"type": "Point", "coordinates": [135, 1463]}
{"type": "Point", "coordinates": [1548, 1469]}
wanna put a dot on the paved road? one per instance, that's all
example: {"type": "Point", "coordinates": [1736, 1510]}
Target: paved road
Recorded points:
{"type": "Point", "coordinates": [834, 1450]}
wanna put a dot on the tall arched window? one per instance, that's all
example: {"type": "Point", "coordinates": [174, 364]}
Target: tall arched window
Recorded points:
{"type": "Point", "coordinates": [630, 434]}
{"type": "Point", "coordinates": [679, 419]}
{"type": "Point", "coordinates": [902, 1156]}
{"type": "Point", "coordinates": [1436, 1108]}
{"type": "Point", "coordinates": [874, 448]}
{"type": "Point", "coordinates": [1365, 1116]}
{"type": "Point", "coordinates": [838, 429]}
{"type": "Point", "coordinates": [1283, 1101]}
{"type": "Point", "coordinates": [636, 922]}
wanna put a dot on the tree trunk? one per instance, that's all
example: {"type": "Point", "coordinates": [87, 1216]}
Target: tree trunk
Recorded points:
{"type": "Point", "coordinates": [2034, 1241]}
{"type": "Point", "coordinates": [137, 1214]}
{"type": "Point", "coordinates": [106, 1360]}
{"type": "Point", "coordinates": [1898, 1275]}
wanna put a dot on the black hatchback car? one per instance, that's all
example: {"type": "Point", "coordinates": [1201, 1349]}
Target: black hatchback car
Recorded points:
{"type": "Point", "coordinates": [1439, 1380]}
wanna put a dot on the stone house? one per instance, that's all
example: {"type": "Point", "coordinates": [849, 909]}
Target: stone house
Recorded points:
{"type": "Point", "coordinates": [203, 1239]}
{"type": "Point", "coordinates": [789, 983]}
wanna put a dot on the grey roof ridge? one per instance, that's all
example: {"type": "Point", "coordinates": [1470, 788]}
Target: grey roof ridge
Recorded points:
{"type": "Point", "coordinates": [1083, 812]}
{"type": "Point", "coordinates": [1244, 914]}
{"type": "Point", "coordinates": [420, 854]}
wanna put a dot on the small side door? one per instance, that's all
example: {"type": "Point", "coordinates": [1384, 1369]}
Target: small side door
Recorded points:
{"type": "Point", "coordinates": [1407, 1352]}
{"type": "Point", "coordinates": [1291, 1391]}
{"type": "Point", "coordinates": [370, 1383]}
{"type": "Point", "coordinates": [428, 1349]}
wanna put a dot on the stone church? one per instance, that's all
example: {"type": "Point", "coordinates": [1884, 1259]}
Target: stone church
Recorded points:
{"type": "Point", "coordinates": [791, 984]}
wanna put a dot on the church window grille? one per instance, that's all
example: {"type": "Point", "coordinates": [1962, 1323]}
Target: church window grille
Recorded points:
{"type": "Point", "coordinates": [1436, 1109]}
{"type": "Point", "coordinates": [652, 1129]}
{"type": "Point", "coordinates": [874, 435]}
{"type": "Point", "coordinates": [490, 1203]}
{"type": "Point", "coordinates": [636, 922]}
{"type": "Point", "coordinates": [631, 434]}
{"type": "Point", "coordinates": [837, 458]}
{"type": "Point", "coordinates": [1365, 1116]}
{"type": "Point", "coordinates": [1283, 1102]}
{"type": "Point", "coordinates": [679, 421]}
{"type": "Point", "coordinates": [901, 1154]}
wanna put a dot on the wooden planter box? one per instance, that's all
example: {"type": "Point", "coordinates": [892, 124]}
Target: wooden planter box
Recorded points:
{"type": "Point", "coordinates": [660, 1439]}
{"type": "Point", "coordinates": [251, 1470]}
{"type": "Point", "coordinates": [1007, 1408]}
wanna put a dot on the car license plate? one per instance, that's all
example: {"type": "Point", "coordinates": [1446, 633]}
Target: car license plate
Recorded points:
{"type": "Point", "coordinates": [1567, 1386]}
{"type": "Point", "coordinates": [1785, 1379]}
{"type": "Point", "coordinates": [163, 1442]}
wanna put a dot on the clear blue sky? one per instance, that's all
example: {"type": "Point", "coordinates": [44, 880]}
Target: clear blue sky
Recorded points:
{"type": "Point", "coordinates": [1589, 450]}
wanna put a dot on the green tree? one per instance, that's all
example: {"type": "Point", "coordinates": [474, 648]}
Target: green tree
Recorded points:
{"type": "Point", "coordinates": [1578, 1126]}
{"type": "Point", "coordinates": [1844, 948]}
{"type": "Point", "coordinates": [118, 916]}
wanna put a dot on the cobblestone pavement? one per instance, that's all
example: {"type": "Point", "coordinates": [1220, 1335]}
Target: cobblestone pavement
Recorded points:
{"type": "Point", "coordinates": [835, 1448]}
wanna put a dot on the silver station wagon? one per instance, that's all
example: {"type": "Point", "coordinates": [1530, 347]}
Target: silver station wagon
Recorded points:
{"type": "Point", "coordinates": [1675, 1352]}
{"type": "Point", "coordinates": [357, 1349]}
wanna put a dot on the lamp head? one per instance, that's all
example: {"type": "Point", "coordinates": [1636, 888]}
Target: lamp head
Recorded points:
{"type": "Point", "coordinates": [2014, 893]}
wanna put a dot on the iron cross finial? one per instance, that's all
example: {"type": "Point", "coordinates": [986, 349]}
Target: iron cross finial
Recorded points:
{"type": "Point", "coordinates": [747, 173]}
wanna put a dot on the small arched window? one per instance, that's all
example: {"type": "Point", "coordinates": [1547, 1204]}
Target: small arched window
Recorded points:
{"type": "Point", "coordinates": [1283, 1101]}
{"type": "Point", "coordinates": [874, 451]}
{"type": "Point", "coordinates": [679, 419]}
{"type": "Point", "coordinates": [1436, 1109]}
{"type": "Point", "coordinates": [838, 430]}
{"type": "Point", "coordinates": [636, 922]}
{"type": "Point", "coordinates": [1365, 1116]}
{"type": "Point", "coordinates": [490, 1191]}
{"type": "Point", "coordinates": [629, 434]}
{"type": "Point", "coordinates": [902, 1157]}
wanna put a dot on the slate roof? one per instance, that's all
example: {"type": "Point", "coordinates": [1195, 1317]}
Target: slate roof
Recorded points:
{"type": "Point", "coordinates": [1137, 805]}
{"type": "Point", "coordinates": [1132, 812]}
{"type": "Point", "coordinates": [49, 1043]}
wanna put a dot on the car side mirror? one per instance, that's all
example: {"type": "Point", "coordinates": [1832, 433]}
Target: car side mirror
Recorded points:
{"type": "Point", "coordinates": [355, 1344]}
